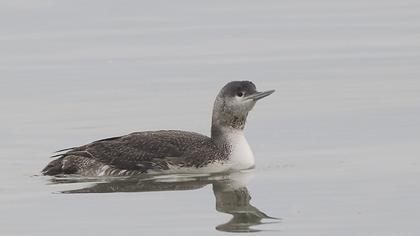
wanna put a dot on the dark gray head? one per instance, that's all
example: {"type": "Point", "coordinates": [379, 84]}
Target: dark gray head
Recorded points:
{"type": "Point", "coordinates": [233, 103]}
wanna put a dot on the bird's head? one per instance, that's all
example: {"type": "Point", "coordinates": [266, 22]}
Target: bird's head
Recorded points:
{"type": "Point", "coordinates": [233, 103]}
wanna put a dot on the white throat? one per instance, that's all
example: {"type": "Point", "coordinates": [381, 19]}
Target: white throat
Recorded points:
{"type": "Point", "coordinates": [241, 156]}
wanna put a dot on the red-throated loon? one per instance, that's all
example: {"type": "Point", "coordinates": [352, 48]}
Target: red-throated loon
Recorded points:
{"type": "Point", "coordinates": [172, 151]}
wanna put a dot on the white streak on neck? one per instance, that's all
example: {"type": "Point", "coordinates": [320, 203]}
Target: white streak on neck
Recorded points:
{"type": "Point", "coordinates": [241, 156]}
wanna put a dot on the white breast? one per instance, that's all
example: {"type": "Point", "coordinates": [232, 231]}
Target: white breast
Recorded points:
{"type": "Point", "coordinates": [241, 156]}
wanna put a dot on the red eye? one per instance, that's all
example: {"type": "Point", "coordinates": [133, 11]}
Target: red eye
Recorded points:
{"type": "Point", "coordinates": [240, 94]}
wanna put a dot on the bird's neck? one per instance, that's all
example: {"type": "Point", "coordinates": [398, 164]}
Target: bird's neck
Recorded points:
{"type": "Point", "coordinates": [227, 132]}
{"type": "Point", "coordinates": [227, 129]}
{"type": "Point", "coordinates": [223, 125]}
{"type": "Point", "coordinates": [220, 134]}
{"type": "Point", "coordinates": [227, 124]}
{"type": "Point", "coordinates": [226, 120]}
{"type": "Point", "coordinates": [232, 141]}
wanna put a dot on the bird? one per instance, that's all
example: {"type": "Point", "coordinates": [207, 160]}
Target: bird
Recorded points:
{"type": "Point", "coordinates": [171, 151]}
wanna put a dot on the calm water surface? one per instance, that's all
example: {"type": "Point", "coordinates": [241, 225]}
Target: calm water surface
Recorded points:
{"type": "Point", "coordinates": [337, 146]}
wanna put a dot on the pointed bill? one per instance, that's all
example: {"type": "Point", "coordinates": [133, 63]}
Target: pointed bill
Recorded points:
{"type": "Point", "coordinates": [258, 95]}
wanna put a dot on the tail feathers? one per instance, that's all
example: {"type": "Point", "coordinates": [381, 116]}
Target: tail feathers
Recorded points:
{"type": "Point", "coordinates": [58, 166]}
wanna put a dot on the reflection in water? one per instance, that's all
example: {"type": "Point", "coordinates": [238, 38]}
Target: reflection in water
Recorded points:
{"type": "Point", "coordinates": [235, 200]}
{"type": "Point", "coordinates": [232, 195]}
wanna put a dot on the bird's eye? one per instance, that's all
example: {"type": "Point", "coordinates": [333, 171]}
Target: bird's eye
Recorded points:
{"type": "Point", "coordinates": [240, 94]}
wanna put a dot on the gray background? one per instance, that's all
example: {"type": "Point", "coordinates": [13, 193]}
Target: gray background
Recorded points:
{"type": "Point", "coordinates": [337, 146]}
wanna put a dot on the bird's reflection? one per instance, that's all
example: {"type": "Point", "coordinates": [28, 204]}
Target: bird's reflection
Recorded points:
{"type": "Point", "coordinates": [235, 199]}
{"type": "Point", "coordinates": [230, 191]}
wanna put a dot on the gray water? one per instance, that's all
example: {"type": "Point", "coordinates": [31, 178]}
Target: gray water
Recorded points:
{"type": "Point", "coordinates": [337, 145]}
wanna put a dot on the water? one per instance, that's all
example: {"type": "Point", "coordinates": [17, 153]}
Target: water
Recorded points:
{"type": "Point", "coordinates": [336, 146]}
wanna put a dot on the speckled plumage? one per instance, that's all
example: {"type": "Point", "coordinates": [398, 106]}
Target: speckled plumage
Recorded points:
{"type": "Point", "coordinates": [141, 152]}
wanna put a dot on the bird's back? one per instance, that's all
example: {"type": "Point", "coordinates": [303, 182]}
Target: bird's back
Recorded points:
{"type": "Point", "coordinates": [140, 152]}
